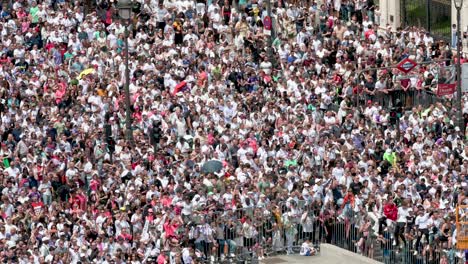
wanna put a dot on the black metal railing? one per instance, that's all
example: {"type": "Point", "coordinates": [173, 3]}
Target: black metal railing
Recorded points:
{"type": "Point", "coordinates": [432, 15]}
{"type": "Point", "coordinates": [283, 228]}
{"type": "Point", "coordinates": [410, 98]}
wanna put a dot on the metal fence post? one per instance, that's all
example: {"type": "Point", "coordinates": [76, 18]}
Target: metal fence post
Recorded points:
{"type": "Point", "coordinates": [246, 235]}
{"type": "Point", "coordinates": [404, 13]}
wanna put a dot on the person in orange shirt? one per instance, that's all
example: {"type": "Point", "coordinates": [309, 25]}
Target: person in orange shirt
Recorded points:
{"type": "Point", "coordinates": [348, 200]}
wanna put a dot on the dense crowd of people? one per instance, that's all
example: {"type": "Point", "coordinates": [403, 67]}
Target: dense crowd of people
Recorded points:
{"type": "Point", "coordinates": [244, 140]}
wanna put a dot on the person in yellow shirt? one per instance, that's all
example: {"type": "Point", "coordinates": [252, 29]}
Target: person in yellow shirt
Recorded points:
{"type": "Point", "coordinates": [101, 91]}
{"type": "Point", "coordinates": [242, 27]}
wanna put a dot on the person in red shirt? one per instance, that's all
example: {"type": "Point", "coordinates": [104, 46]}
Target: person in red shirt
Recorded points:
{"type": "Point", "coordinates": [347, 207]}
{"type": "Point", "coordinates": [391, 210]}
{"type": "Point", "coordinates": [170, 230]}
{"type": "Point", "coordinates": [390, 213]}
{"type": "Point", "coordinates": [161, 259]}
{"type": "Point", "coordinates": [82, 199]}
{"type": "Point", "coordinates": [94, 183]}
{"type": "Point", "coordinates": [369, 32]}
{"type": "Point", "coordinates": [37, 205]}
{"type": "Point", "coordinates": [348, 200]}
{"type": "Point", "coordinates": [78, 198]}
{"type": "Point", "coordinates": [76, 209]}
{"type": "Point", "coordinates": [202, 77]}
{"type": "Point", "coordinates": [125, 235]}
{"type": "Point", "coordinates": [21, 13]}
{"type": "Point", "coordinates": [4, 59]}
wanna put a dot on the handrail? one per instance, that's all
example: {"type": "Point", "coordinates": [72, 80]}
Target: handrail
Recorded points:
{"type": "Point", "coordinates": [283, 227]}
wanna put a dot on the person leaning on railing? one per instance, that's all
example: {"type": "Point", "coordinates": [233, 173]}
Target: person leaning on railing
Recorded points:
{"type": "Point", "coordinates": [327, 220]}
{"type": "Point", "coordinates": [307, 223]}
{"type": "Point", "coordinates": [445, 233]}
{"type": "Point", "coordinates": [204, 239]}
{"type": "Point", "coordinates": [348, 204]}
{"type": "Point", "coordinates": [423, 222]}
{"type": "Point", "coordinates": [403, 214]}
{"type": "Point", "coordinates": [365, 240]}
{"type": "Point", "coordinates": [230, 236]}
{"type": "Point", "coordinates": [290, 231]}
{"type": "Point", "coordinates": [248, 233]}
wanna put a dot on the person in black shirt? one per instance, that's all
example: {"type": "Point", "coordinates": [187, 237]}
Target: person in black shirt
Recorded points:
{"type": "Point", "coordinates": [22, 65]}
{"type": "Point", "coordinates": [229, 236]}
{"type": "Point", "coordinates": [337, 192]}
{"type": "Point", "coordinates": [421, 186]}
{"type": "Point", "coordinates": [369, 86]}
{"type": "Point", "coordinates": [428, 82]}
{"type": "Point", "coordinates": [356, 185]}
{"type": "Point", "coordinates": [138, 72]}
{"type": "Point", "coordinates": [370, 7]}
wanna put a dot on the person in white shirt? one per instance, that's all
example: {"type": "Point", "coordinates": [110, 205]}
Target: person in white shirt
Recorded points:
{"type": "Point", "coordinates": [329, 119]}
{"type": "Point", "coordinates": [302, 36]}
{"type": "Point", "coordinates": [307, 249]}
{"type": "Point", "coordinates": [423, 222]}
{"type": "Point", "coordinates": [428, 39]}
{"type": "Point", "coordinates": [381, 84]}
{"type": "Point", "coordinates": [338, 171]}
{"type": "Point", "coordinates": [403, 213]}
{"type": "Point", "coordinates": [186, 256]}
{"type": "Point", "coordinates": [266, 66]}
{"type": "Point", "coordinates": [161, 15]}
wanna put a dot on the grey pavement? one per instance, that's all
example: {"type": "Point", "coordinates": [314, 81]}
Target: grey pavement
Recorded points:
{"type": "Point", "coordinates": [329, 254]}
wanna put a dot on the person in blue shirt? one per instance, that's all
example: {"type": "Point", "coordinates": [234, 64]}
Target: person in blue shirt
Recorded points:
{"type": "Point", "coordinates": [4, 14]}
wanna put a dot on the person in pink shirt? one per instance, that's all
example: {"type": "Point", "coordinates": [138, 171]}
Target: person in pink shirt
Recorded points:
{"type": "Point", "coordinates": [161, 259]}
{"type": "Point", "coordinates": [60, 92]}
{"type": "Point", "coordinates": [170, 227]}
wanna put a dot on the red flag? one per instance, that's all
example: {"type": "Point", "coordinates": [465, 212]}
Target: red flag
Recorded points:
{"type": "Point", "coordinates": [446, 89]}
{"type": "Point", "coordinates": [180, 87]}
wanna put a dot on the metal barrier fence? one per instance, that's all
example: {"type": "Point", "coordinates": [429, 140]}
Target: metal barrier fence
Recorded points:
{"type": "Point", "coordinates": [249, 234]}
{"type": "Point", "coordinates": [409, 98]}
{"type": "Point", "coordinates": [246, 235]}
